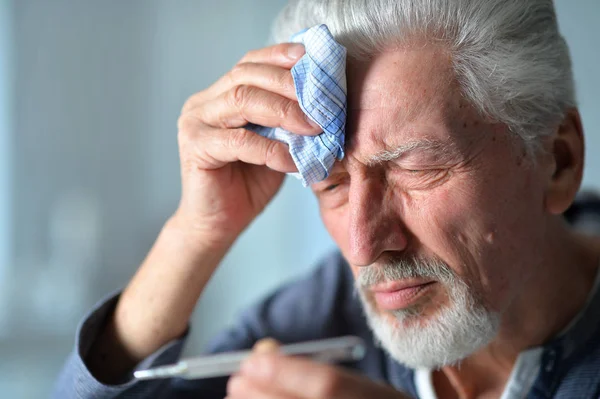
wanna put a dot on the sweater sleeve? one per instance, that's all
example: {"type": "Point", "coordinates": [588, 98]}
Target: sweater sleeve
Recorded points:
{"type": "Point", "coordinates": [306, 309]}
{"type": "Point", "coordinates": [77, 381]}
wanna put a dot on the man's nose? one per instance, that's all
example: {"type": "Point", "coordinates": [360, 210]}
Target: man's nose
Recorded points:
{"type": "Point", "coordinates": [375, 226]}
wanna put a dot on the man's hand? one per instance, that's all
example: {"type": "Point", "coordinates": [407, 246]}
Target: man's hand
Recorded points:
{"type": "Point", "coordinates": [267, 374]}
{"type": "Point", "coordinates": [229, 174]}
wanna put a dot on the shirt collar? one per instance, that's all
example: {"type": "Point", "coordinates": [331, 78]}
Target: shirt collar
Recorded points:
{"type": "Point", "coordinates": [583, 326]}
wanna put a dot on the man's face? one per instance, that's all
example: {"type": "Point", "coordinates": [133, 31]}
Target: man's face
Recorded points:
{"type": "Point", "coordinates": [430, 187]}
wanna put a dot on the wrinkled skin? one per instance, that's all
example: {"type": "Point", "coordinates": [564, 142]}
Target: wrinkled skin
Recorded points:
{"type": "Point", "coordinates": [459, 197]}
{"type": "Point", "coordinates": [472, 199]}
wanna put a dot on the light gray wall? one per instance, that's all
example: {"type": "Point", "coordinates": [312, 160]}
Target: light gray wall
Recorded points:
{"type": "Point", "coordinates": [83, 100]}
{"type": "Point", "coordinates": [6, 97]}
{"type": "Point", "coordinates": [580, 23]}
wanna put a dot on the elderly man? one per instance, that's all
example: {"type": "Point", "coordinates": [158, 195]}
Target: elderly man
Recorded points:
{"type": "Point", "coordinates": [464, 148]}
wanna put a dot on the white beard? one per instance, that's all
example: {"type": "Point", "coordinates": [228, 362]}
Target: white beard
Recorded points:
{"type": "Point", "coordinates": [452, 333]}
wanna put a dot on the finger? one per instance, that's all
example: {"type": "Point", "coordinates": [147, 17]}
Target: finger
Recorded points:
{"type": "Point", "coordinates": [266, 345]}
{"type": "Point", "coordinates": [213, 148]}
{"type": "Point", "coordinates": [242, 387]}
{"type": "Point", "coordinates": [269, 77]}
{"type": "Point", "coordinates": [282, 54]}
{"type": "Point", "coordinates": [307, 379]}
{"type": "Point", "coordinates": [291, 375]}
{"type": "Point", "coordinates": [244, 104]}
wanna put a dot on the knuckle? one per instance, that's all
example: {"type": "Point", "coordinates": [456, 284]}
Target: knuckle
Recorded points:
{"type": "Point", "coordinates": [272, 150]}
{"type": "Point", "coordinates": [277, 51]}
{"type": "Point", "coordinates": [238, 96]}
{"type": "Point", "coordinates": [187, 106]}
{"type": "Point", "coordinates": [238, 138]}
{"type": "Point", "coordinates": [189, 128]}
{"type": "Point", "coordinates": [249, 55]}
{"type": "Point", "coordinates": [184, 140]}
{"type": "Point", "coordinates": [189, 103]}
{"type": "Point", "coordinates": [287, 109]}
{"type": "Point", "coordinates": [183, 125]}
{"type": "Point", "coordinates": [284, 80]}
{"type": "Point", "coordinates": [237, 71]}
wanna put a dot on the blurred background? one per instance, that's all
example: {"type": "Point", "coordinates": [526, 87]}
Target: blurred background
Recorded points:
{"type": "Point", "coordinates": [90, 92]}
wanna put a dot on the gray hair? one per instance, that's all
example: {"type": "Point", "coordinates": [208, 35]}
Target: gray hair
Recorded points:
{"type": "Point", "coordinates": [509, 57]}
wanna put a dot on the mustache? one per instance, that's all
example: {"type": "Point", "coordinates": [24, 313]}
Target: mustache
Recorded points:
{"type": "Point", "coordinates": [405, 268]}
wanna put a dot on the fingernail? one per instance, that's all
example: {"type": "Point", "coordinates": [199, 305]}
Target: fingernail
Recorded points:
{"type": "Point", "coordinates": [311, 122]}
{"type": "Point", "coordinates": [290, 165]}
{"type": "Point", "coordinates": [266, 345]}
{"type": "Point", "coordinates": [295, 51]}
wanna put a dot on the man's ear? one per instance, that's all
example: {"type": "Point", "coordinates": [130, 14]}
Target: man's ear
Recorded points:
{"type": "Point", "coordinates": [566, 150]}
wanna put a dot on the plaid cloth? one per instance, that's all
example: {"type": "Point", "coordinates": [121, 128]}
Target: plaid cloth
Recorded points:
{"type": "Point", "coordinates": [320, 81]}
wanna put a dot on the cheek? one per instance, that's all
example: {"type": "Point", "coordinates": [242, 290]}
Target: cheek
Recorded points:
{"type": "Point", "coordinates": [445, 221]}
{"type": "Point", "coordinates": [480, 227]}
{"type": "Point", "coordinates": [336, 223]}
{"type": "Point", "coordinates": [466, 228]}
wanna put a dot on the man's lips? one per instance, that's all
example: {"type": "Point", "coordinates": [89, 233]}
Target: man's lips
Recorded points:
{"type": "Point", "coordinates": [398, 295]}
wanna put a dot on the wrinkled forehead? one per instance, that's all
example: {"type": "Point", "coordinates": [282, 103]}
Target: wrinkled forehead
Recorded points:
{"type": "Point", "coordinates": [417, 73]}
{"type": "Point", "coordinates": [402, 95]}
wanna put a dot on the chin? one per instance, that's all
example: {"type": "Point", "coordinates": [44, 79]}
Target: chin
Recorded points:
{"type": "Point", "coordinates": [433, 334]}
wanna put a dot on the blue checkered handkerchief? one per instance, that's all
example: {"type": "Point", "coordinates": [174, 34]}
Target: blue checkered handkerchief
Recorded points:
{"type": "Point", "coordinates": [320, 80]}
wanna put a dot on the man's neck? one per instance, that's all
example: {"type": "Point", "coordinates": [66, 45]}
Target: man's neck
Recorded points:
{"type": "Point", "coordinates": [551, 300]}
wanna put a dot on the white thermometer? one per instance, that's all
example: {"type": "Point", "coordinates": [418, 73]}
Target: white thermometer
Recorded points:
{"type": "Point", "coordinates": [331, 350]}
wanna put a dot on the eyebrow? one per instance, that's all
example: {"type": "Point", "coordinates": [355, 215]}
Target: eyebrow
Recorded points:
{"type": "Point", "coordinates": [425, 145]}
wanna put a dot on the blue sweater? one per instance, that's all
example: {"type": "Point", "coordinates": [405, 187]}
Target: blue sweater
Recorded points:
{"type": "Point", "coordinates": [324, 305]}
